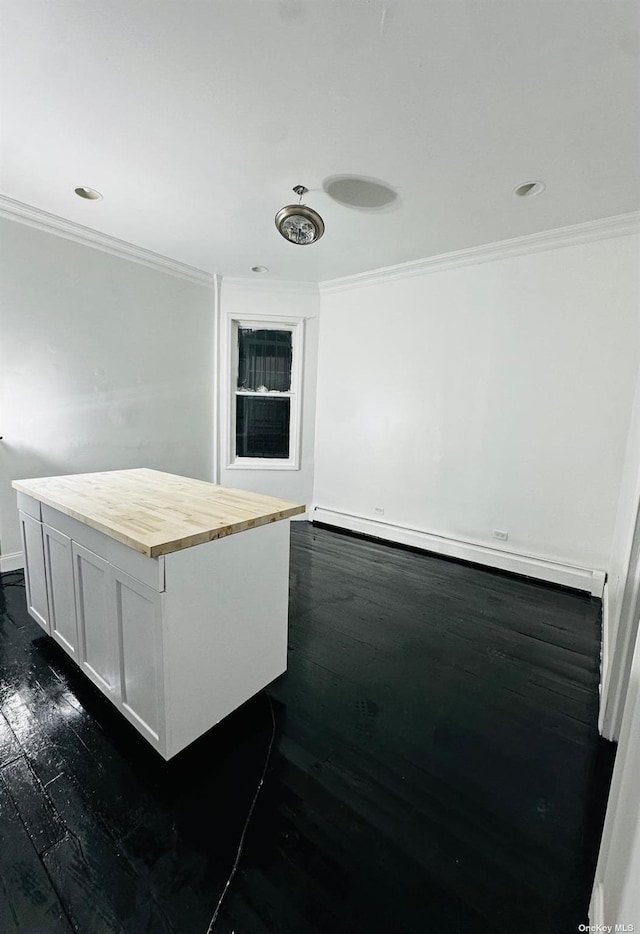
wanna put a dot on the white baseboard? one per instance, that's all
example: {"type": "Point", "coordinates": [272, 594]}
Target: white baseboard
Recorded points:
{"type": "Point", "coordinates": [596, 908]}
{"type": "Point", "coordinates": [13, 562]}
{"type": "Point", "coordinates": [568, 575]}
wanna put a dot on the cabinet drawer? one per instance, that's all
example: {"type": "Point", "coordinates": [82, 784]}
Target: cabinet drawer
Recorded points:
{"type": "Point", "coordinates": [29, 505]}
{"type": "Point", "coordinates": [149, 571]}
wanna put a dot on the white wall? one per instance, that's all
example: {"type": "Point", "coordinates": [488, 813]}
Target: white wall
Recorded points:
{"type": "Point", "coordinates": [246, 299]}
{"type": "Point", "coordinates": [104, 364]}
{"type": "Point", "coordinates": [494, 396]}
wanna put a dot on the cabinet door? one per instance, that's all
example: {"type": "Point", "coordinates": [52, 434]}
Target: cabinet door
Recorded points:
{"type": "Point", "coordinates": [139, 622]}
{"type": "Point", "coordinates": [35, 580]}
{"type": "Point", "coordinates": [62, 605]}
{"type": "Point", "coordinates": [97, 633]}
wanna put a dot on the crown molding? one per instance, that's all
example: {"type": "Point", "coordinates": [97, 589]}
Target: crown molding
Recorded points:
{"type": "Point", "coordinates": [69, 230]}
{"type": "Point", "coordinates": [617, 226]}
{"type": "Point", "coordinates": [260, 284]}
{"type": "Point", "coordinates": [605, 228]}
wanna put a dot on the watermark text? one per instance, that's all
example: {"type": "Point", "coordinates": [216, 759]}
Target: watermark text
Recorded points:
{"type": "Point", "coordinates": [607, 928]}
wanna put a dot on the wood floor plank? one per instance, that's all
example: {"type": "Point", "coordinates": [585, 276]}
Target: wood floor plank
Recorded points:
{"type": "Point", "coordinates": [81, 891]}
{"type": "Point", "coordinates": [32, 803]}
{"type": "Point", "coordinates": [95, 881]}
{"type": "Point", "coordinates": [8, 918]}
{"type": "Point", "coordinates": [9, 747]}
{"type": "Point", "coordinates": [27, 898]}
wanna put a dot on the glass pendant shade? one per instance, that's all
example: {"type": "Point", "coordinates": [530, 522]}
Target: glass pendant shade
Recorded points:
{"type": "Point", "coordinates": [299, 224]}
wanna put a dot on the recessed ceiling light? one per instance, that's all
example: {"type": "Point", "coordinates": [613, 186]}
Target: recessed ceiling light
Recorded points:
{"type": "Point", "coordinates": [259, 269]}
{"type": "Point", "coordinates": [528, 189]}
{"type": "Point", "coordinates": [90, 194]}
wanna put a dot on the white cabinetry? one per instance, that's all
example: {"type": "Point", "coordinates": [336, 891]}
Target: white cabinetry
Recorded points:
{"type": "Point", "coordinates": [175, 642]}
{"type": "Point", "coordinates": [93, 580]}
{"type": "Point", "coordinates": [120, 645]}
{"type": "Point", "coordinates": [139, 628]}
{"type": "Point", "coordinates": [58, 562]}
{"type": "Point", "coordinates": [35, 581]}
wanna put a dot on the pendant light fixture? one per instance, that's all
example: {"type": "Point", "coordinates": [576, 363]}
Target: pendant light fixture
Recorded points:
{"type": "Point", "coordinates": [298, 223]}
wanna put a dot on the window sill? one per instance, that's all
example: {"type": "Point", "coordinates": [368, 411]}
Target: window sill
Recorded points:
{"type": "Point", "coordinates": [262, 465]}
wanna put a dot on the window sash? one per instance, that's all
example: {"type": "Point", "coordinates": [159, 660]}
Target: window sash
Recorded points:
{"type": "Point", "coordinates": [265, 357]}
{"type": "Point", "coordinates": [263, 427]}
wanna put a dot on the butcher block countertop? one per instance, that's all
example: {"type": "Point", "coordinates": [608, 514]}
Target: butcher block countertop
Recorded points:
{"type": "Point", "coordinates": [156, 513]}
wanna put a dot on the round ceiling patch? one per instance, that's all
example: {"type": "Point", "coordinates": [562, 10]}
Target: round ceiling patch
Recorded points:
{"type": "Point", "coordinates": [356, 191]}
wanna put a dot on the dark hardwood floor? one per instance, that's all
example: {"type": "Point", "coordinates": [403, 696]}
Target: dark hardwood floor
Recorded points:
{"type": "Point", "coordinates": [435, 767]}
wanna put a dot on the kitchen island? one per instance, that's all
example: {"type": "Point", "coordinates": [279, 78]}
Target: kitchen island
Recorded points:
{"type": "Point", "coordinates": [171, 594]}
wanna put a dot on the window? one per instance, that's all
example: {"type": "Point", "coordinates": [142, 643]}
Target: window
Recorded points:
{"type": "Point", "coordinates": [265, 393]}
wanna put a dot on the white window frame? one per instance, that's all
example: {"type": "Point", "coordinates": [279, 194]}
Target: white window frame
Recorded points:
{"type": "Point", "coordinates": [271, 323]}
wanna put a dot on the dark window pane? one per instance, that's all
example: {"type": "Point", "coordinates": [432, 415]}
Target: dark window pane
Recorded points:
{"type": "Point", "coordinates": [264, 359]}
{"type": "Point", "coordinates": [262, 427]}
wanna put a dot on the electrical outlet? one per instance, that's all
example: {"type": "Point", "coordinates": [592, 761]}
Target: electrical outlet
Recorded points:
{"type": "Point", "coordinates": [503, 536]}
{"type": "Point", "coordinates": [379, 510]}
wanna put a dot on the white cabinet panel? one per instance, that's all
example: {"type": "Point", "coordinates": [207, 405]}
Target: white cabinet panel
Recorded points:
{"type": "Point", "coordinates": [225, 626]}
{"type": "Point", "coordinates": [34, 573]}
{"type": "Point", "coordinates": [138, 614]}
{"type": "Point", "coordinates": [62, 605]}
{"type": "Point", "coordinates": [97, 635]}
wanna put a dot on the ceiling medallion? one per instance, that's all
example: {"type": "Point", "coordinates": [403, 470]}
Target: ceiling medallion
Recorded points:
{"type": "Point", "coordinates": [298, 223]}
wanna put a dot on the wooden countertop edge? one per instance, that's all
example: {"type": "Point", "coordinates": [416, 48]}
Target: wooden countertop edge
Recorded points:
{"type": "Point", "coordinates": [164, 547]}
{"type": "Point", "coordinates": [201, 538]}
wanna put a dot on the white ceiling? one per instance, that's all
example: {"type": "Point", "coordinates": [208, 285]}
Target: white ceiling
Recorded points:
{"type": "Point", "coordinates": [195, 118]}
